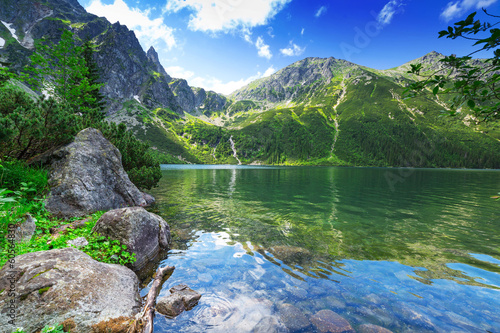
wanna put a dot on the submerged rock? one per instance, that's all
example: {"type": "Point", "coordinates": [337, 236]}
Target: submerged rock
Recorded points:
{"type": "Point", "coordinates": [182, 298]}
{"type": "Point", "coordinates": [87, 176]}
{"type": "Point", "coordinates": [58, 285]}
{"type": "Point", "coordinates": [291, 254]}
{"type": "Point", "coordinates": [370, 328]}
{"type": "Point", "coordinates": [144, 233]}
{"type": "Point", "coordinates": [293, 318]}
{"type": "Point", "coordinates": [327, 321]}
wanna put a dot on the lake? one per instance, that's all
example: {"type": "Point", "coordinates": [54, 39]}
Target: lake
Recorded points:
{"type": "Point", "coordinates": [410, 250]}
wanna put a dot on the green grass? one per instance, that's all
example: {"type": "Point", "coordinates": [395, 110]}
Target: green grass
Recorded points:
{"type": "Point", "coordinates": [28, 198]}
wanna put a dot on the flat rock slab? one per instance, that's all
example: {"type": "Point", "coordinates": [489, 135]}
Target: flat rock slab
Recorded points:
{"type": "Point", "coordinates": [63, 284]}
{"type": "Point", "coordinates": [181, 298]}
{"type": "Point", "coordinates": [87, 176]}
{"type": "Point", "coordinates": [327, 321]}
{"type": "Point", "coordinates": [144, 233]}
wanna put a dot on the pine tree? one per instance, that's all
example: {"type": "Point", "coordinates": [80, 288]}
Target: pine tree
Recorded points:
{"type": "Point", "coordinates": [60, 70]}
{"type": "Point", "coordinates": [97, 104]}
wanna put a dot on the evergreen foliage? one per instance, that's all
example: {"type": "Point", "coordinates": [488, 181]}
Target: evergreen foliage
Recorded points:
{"type": "Point", "coordinates": [66, 71]}
{"type": "Point", "coordinates": [31, 125]}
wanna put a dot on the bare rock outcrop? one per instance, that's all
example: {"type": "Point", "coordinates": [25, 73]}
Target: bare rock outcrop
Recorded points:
{"type": "Point", "coordinates": [64, 284]}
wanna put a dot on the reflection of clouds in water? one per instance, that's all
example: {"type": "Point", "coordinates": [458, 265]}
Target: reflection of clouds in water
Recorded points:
{"type": "Point", "coordinates": [221, 239]}
{"type": "Point", "coordinates": [232, 183]}
{"type": "Point", "coordinates": [220, 314]}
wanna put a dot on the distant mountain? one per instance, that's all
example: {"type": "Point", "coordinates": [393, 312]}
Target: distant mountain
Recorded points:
{"type": "Point", "coordinates": [129, 72]}
{"type": "Point", "coordinates": [317, 111]}
{"type": "Point", "coordinates": [333, 112]}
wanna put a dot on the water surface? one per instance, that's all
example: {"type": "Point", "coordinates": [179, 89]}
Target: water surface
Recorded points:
{"type": "Point", "coordinates": [411, 250]}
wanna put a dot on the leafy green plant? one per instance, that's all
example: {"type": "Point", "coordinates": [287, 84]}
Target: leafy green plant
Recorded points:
{"type": "Point", "coordinates": [4, 198]}
{"type": "Point", "coordinates": [46, 329]}
{"type": "Point", "coordinates": [53, 329]}
{"type": "Point", "coordinates": [473, 86]}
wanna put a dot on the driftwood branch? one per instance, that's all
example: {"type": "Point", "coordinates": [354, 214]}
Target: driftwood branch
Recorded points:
{"type": "Point", "coordinates": [144, 324]}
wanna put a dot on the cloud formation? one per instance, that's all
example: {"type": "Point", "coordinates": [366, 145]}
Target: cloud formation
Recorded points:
{"type": "Point", "coordinates": [227, 15]}
{"type": "Point", "coordinates": [214, 84]}
{"type": "Point", "coordinates": [148, 31]}
{"type": "Point", "coordinates": [455, 9]}
{"type": "Point", "coordinates": [387, 13]}
{"type": "Point", "coordinates": [263, 48]}
{"type": "Point", "coordinates": [320, 11]}
{"type": "Point", "coordinates": [179, 72]}
{"type": "Point", "coordinates": [292, 50]}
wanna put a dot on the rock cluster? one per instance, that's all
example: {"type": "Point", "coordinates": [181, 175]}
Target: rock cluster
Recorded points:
{"type": "Point", "coordinates": [67, 285]}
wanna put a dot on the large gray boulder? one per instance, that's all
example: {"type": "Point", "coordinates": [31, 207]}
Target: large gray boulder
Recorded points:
{"type": "Point", "coordinates": [87, 176]}
{"type": "Point", "coordinates": [144, 233]}
{"type": "Point", "coordinates": [53, 286]}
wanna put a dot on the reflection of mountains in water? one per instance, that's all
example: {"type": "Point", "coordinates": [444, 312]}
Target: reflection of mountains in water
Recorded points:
{"type": "Point", "coordinates": [303, 218]}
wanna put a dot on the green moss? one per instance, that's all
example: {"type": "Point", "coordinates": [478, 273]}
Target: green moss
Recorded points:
{"type": "Point", "coordinates": [43, 290]}
{"type": "Point", "coordinates": [34, 276]}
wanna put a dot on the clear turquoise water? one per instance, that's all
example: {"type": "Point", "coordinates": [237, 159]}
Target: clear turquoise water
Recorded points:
{"type": "Point", "coordinates": [408, 250]}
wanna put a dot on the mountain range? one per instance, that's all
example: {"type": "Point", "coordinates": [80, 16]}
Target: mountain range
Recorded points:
{"type": "Point", "coordinates": [317, 111]}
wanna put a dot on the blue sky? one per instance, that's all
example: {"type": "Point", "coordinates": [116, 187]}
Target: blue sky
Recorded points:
{"type": "Point", "coordinates": [222, 45]}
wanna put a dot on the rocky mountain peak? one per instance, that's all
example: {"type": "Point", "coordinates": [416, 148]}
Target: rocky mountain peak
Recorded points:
{"type": "Point", "coordinates": [153, 55]}
{"type": "Point", "coordinates": [128, 71]}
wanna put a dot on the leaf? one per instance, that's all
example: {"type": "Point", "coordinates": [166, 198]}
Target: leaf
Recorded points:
{"type": "Point", "coordinates": [435, 90]}
{"type": "Point", "coordinates": [470, 19]}
{"type": "Point", "coordinates": [471, 104]}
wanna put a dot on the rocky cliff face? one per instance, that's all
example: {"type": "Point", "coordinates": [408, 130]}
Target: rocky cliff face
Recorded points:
{"type": "Point", "coordinates": [129, 72]}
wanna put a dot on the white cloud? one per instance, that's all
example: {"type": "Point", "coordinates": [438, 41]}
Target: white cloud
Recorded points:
{"type": "Point", "coordinates": [302, 32]}
{"type": "Point", "coordinates": [148, 31]}
{"type": "Point", "coordinates": [292, 50]}
{"type": "Point", "coordinates": [215, 16]}
{"type": "Point", "coordinates": [320, 11]}
{"type": "Point", "coordinates": [263, 48]}
{"type": "Point", "coordinates": [226, 88]}
{"type": "Point", "coordinates": [179, 72]}
{"type": "Point", "coordinates": [456, 9]}
{"type": "Point", "coordinates": [270, 32]}
{"type": "Point", "coordinates": [270, 71]}
{"type": "Point", "coordinates": [387, 13]}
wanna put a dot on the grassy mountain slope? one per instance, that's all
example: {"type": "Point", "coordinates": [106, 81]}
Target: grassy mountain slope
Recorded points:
{"type": "Point", "coordinates": [332, 112]}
